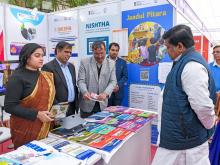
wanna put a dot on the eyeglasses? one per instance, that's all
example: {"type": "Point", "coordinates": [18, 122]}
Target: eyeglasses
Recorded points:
{"type": "Point", "coordinates": [217, 52]}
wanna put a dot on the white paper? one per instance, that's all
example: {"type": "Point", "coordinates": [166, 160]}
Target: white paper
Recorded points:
{"type": "Point", "coordinates": [163, 70]}
{"type": "Point", "coordinates": [120, 36]}
{"type": "Point", "coordinates": [144, 97]}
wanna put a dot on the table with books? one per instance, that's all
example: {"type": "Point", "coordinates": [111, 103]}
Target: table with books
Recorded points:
{"type": "Point", "coordinates": [121, 135]}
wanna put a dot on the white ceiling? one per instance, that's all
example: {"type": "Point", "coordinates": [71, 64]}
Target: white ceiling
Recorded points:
{"type": "Point", "coordinates": [208, 11]}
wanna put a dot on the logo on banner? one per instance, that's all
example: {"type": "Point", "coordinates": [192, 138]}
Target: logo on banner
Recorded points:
{"type": "Point", "coordinates": [97, 26]}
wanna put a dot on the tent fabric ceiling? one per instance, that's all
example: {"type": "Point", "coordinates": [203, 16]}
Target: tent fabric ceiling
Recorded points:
{"type": "Point", "coordinates": [208, 12]}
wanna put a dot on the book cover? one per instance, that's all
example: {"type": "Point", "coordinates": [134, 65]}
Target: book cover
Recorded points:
{"type": "Point", "coordinates": [91, 125]}
{"type": "Point", "coordinates": [59, 110]}
{"type": "Point", "coordinates": [101, 141]}
{"type": "Point", "coordinates": [131, 126]}
{"type": "Point", "coordinates": [110, 146]}
{"type": "Point", "coordinates": [125, 117]}
{"type": "Point", "coordinates": [119, 109]}
{"type": "Point", "coordinates": [141, 120]}
{"type": "Point", "coordinates": [102, 129]}
{"type": "Point", "coordinates": [90, 139]}
{"type": "Point", "coordinates": [80, 136]}
{"type": "Point", "coordinates": [119, 133]}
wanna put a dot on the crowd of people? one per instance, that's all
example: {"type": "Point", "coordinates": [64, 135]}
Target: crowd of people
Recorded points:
{"type": "Point", "coordinates": [190, 95]}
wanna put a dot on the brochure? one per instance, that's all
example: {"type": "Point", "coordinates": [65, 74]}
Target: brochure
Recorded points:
{"type": "Point", "coordinates": [119, 133]}
{"type": "Point", "coordinates": [103, 129]}
{"type": "Point", "coordinates": [101, 141]}
{"type": "Point", "coordinates": [59, 110]}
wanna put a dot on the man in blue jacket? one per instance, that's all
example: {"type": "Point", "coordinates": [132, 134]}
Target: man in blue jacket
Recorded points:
{"type": "Point", "coordinates": [189, 96]}
{"type": "Point", "coordinates": [215, 67]}
{"type": "Point", "coordinates": [121, 75]}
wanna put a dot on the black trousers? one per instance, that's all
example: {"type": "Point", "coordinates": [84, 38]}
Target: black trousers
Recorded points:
{"type": "Point", "coordinates": [95, 109]}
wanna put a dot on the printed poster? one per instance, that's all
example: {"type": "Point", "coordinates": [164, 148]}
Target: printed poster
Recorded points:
{"type": "Point", "coordinates": [146, 24]}
{"type": "Point", "coordinates": [63, 27]}
{"type": "Point", "coordinates": [24, 26]}
{"type": "Point", "coordinates": [97, 24]}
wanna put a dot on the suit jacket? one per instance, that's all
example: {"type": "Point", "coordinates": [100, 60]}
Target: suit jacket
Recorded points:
{"type": "Point", "coordinates": [122, 76]}
{"type": "Point", "coordinates": [88, 81]}
{"type": "Point", "coordinates": [61, 85]}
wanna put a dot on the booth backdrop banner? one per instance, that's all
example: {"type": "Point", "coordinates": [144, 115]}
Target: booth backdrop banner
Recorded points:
{"type": "Point", "coordinates": [63, 26]}
{"type": "Point", "coordinates": [1, 33]}
{"type": "Point", "coordinates": [203, 48]}
{"type": "Point", "coordinates": [23, 26]}
{"type": "Point", "coordinates": [96, 24]}
{"type": "Point", "coordinates": [145, 45]}
{"type": "Point", "coordinates": [137, 4]}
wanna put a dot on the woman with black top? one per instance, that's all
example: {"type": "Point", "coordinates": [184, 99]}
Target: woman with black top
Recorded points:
{"type": "Point", "coordinates": [29, 96]}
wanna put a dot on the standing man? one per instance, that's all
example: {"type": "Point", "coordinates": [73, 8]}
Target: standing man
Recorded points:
{"type": "Point", "coordinates": [96, 75]}
{"type": "Point", "coordinates": [121, 75]}
{"type": "Point", "coordinates": [188, 104]}
{"type": "Point", "coordinates": [215, 67]}
{"type": "Point", "coordinates": [64, 77]}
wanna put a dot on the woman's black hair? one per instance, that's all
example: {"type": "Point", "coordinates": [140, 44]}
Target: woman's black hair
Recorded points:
{"type": "Point", "coordinates": [26, 52]}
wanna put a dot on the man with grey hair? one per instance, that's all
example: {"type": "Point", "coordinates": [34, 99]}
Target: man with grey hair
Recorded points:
{"type": "Point", "coordinates": [96, 80]}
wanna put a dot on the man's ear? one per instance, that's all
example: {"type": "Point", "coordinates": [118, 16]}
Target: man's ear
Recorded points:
{"type": "Point", "coordinates": [180, 47]}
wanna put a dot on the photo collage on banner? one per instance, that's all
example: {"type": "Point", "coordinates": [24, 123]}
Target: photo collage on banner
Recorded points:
{"type": "Point", "coordinates": [1, 33]}
{"type": "Point", "coordinates": [63, 27]}
{"type": "Point", "coordinates": [97, 24]}
{"type": "Point", "coordinates": [24, 26]}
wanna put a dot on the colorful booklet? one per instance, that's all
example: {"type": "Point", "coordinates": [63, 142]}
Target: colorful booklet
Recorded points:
{"type": "Point", "coordinates": [90, 125]}
{"type": "Point", "coordinates": [80, 136]}
{"type": "Point", "coordinates": [63, 132]}
{"type": "Point", "coordinates": [90, 139]}
{"type": "Point", "coordinates": [119, 133]}
{"type": "Point", "coordinates": [110, 146]}
{"type": "Point", "coordinates": [140, 120]}
{"type": "Point", "coordinates": [125, 117]}
{"type": "Point", "coordinates": [102, 129]}
{"type": "Point", "coordinates": [119, 109]}
{"type": "Point", "coordinates": [101, 141]}
{"type": "Point", "coordinates": [131, 126]}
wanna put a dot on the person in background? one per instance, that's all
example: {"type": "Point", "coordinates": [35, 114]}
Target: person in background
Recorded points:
{"type": "Point", "coordinates": [215, 67]}
{"type": "Point", "coordinates": [64, 77]}
{"type": "Point", "coordinates": [189, 96]}
{"type": "Point", "coordinates": [121, 75]}
{"type": "Point", "coordinates": [214, 150]}
{"type": "Point", "coordinates": [96, 80]}
{"type": "Point", "coordinates": [29, 97]}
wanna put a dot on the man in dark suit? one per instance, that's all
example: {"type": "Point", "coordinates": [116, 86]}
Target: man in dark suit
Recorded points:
{"type": "Point", "coordinates": [121, 75]}
{"type": "Point", "coordinates": [64, 77]}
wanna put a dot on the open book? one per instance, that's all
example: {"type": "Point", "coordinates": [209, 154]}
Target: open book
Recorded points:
{"type": "Point", "coordinates": [59, 110]}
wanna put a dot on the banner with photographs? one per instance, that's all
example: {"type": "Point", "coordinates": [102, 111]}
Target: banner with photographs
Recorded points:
{"type": "Point", "coordinates": [146, 48]}
{"type": "Point", "coordinates": [1, 33]}
{"type": "Point", "coordinates": [63, 27]}
{"type": "Point", "coordinates": [97, 24]}
{"type": "Point", "coordinates": [24, 26]}
{"type": "Point", "coordinates": [146, 23]}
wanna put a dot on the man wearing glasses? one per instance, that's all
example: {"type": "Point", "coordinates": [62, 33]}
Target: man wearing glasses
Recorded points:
{"type": "Point", "coordinates": [215, 67]}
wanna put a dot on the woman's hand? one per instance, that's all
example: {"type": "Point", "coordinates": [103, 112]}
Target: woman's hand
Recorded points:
{"type": "Point", "coordinates": [44, 116]}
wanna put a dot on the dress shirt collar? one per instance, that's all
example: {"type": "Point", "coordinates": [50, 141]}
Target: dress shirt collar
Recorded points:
{"type": "Point", "coordinates": [216, 64]}
{"type": "Point", "coordinates": [61, 64]}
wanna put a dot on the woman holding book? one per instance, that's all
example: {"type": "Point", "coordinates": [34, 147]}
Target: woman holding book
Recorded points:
{"type": "Point", "coordinates": [29, 97]}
